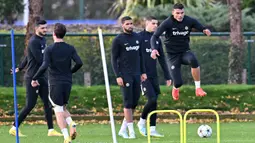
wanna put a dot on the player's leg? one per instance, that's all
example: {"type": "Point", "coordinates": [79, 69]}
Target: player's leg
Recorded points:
{"type": "Point", "coordinates": [136, 91]}
{"type": "Point", "coordinates": [44, 93]}
{"type": "Point", "coordinates": [155, 85]}
{"type": "Point", "coordinates": [174, 63]}
{"type": "Point", "coordinates": [72, 125]}
{"type": "Point", "coordinates": [31, 98]}
{"type": "Point", "coordinates": [189, 58]}
{"type": "Point", "coordinates": [57, 101]}
{"type": "Point", "coordinates": [150, 94]}
{"type": "Point", "coordinates": [127, 102]}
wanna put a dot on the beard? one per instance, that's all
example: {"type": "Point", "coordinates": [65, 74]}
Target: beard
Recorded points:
{"type": "Point", "coordinates": [130, 30]}
{"type": "Point", "coordinates": [41, 34]}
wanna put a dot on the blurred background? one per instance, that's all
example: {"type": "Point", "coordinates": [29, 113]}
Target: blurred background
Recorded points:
{"type": "Point", "coordinates": [83, 17]}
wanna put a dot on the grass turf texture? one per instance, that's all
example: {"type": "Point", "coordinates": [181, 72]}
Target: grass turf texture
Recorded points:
{"type": "Point", "coordinates": [101, 133]}
{"type": "Point", "coordinates": [92, 100]}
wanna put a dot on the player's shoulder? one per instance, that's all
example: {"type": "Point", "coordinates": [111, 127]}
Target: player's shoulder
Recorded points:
{"type": "Point", "coordinates": [33, 39]}
{"type": "Point", "coordinates": [167, 22]}
{"type": "Point", "coordinates": [136, 34]}
{"type": "Point", "coordinates": [189, 18]}
{"type": "Point", "coordinates": [118, 38]}
{"type": "Point", "coordinates": [50, 47]}
{"type": "Point", "coordinates": [141, 33]}
{"type": "Point", "coordinates": [68, 45]}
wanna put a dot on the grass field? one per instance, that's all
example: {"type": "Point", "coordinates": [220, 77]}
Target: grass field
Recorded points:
{"type": "Point", "coordinates": [238, 132]}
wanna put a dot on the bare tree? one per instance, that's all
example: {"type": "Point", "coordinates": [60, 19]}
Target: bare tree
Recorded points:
{"type": "Point", "coordinates": [236, 53]}
{"type": "Point", "coordinates": [35, 12]}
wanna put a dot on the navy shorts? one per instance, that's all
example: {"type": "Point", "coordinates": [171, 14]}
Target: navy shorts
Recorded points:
{"type": "Point", "coordinates": [131, 90]}
{"type": "Point", "coordinates": [150, 88]}
{"type": "Point", "coordinates": [59, 94]}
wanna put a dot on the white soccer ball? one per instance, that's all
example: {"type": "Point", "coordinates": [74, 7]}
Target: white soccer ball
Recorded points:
{"type": "Point", "coordinates": [204, 131]}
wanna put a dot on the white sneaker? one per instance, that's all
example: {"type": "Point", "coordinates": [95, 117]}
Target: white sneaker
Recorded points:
{"type": "Point", "coordinates": [132, 135]}
{"type": "Point", "coordinates": [156, 134]}
{"type": "Point", "coordinates": [123, 134]}
{"type": "Point", "coordinates": [142, 129]}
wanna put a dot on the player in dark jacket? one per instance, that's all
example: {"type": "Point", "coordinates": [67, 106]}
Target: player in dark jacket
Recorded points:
{"type": "Point", "coordinates": [177, 30]}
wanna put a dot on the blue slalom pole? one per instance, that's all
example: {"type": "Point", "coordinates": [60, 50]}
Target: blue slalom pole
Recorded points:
{"type": "Point", "coordinates": [14, 86]}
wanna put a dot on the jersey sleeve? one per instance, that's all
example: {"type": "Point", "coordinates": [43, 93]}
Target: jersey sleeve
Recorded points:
{"type": "Point", "coordinates": [197, 25]}
{"type": "Point", "coordinates": [115, 54]}
{"type": "Point", "coordinates": [35, 48]}
{"type": "Point", "coordinates": [142, 63]}
{"type": "Point", "coordinates": [45, 64]}
{"type": "Point", "coordinates": [78, 63]}
{"type": "Point", "coordinates": [23, 63]}
{"type": "Point", "coordinates": [155, 37]}
{"type": "Point", "coordinates": [162, 62]}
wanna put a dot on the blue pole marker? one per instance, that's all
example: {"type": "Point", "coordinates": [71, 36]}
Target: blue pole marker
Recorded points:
{"type": "Point", "coordinates": [14, 86]}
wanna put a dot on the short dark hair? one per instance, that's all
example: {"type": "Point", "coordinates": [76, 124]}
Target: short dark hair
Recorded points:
{"type": "Point", "coordinates": [150, 18]}
{"type": "Point", "coordinates": [123, 19]}
{"type": "Point", "coordinates": [60, 30]}
{"type": "Point", "coordinates": [39, 21]}
{"type": "Point", "coordinates": [178, 6]}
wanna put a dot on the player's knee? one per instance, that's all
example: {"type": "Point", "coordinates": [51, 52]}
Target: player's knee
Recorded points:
{"type": "Point", "coordinates": [30, 106]}
{"type": "Point", "coordinates": [194, 63]}
{"type": "Point", "coordinates": [152, 101]}
{"type": "Point", "coordinates": [128, 105]}
{"type": "Point", "coordinates": [134, 105]}
{"type": "Point", "coordinates": [58, 108]}
{"type": "Point", "coordinates": [178, 84]}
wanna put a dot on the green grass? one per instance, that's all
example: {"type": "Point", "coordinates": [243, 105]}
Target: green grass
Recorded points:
{"type": "Point", "coordinates": [85, 100]}
{"type": "Point", "coordinates": [241, 132]}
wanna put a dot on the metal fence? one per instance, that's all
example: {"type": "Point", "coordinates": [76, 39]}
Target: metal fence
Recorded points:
{"type": "Point", "coordinates": [212, 53]}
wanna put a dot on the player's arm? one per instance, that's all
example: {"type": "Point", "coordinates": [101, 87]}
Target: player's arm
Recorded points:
{"type": "Point", "coordinates": [44, 66]}
{"type": "Point", "coordinates": [197, 25]}
{"type": "Point", "coordinates": [35, 47]}
{"type": "Point", "coordinates": [155, 38]}
{"type": "Point", "coordinates": [78, 63]}
{"type": "Point", "coordinates": [142, 63]}
{"type": "Point", "coordinates": [163, 64]}
{"type": "Point", "coordinates": [23, 64]}
{"type": "Point", "coordinates": [115, 54]}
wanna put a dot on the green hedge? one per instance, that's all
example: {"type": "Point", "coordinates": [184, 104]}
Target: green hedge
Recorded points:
{"type": "Point", "coordinates": [212, 53]}
{"type": "Point", "coordinates": [87, 100]}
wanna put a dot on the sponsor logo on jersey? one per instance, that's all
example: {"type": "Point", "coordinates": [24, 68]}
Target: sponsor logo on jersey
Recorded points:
{"type": "Point", "coordinates": [183, 33]}
{"type": "Point", "coordinates": [148, 50]}
{"type": "Point", "coordinates": [132, 48]}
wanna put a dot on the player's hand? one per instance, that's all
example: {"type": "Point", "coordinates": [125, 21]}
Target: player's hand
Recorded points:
{"type": "Point", "coordinates": [168, 82]}
{"type": "Point", "coordinates": [120, 81]}
{"type": "Point", "coordinates": [154, 54]}
{"type": "Point", "coordinates": [143, 77]}
{"type": "Point", "coordinates": [16, 70]}
{"type": "Point", "coordinates": [34, 83]}
{"type": "Point", "coordinates": [207, 32]}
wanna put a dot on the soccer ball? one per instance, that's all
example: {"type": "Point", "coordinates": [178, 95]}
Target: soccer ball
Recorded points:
{"type": "Point", "coordinates": [204, 131]}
